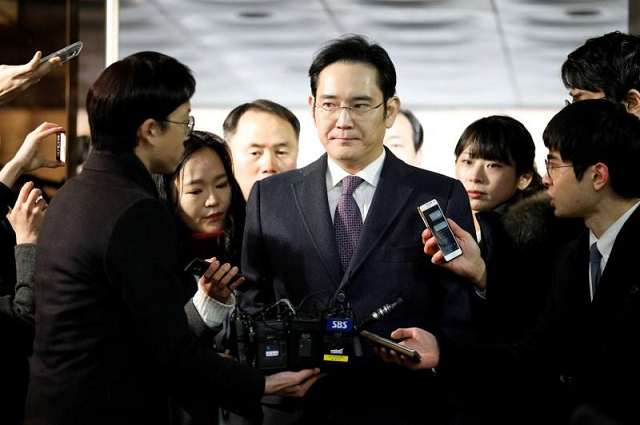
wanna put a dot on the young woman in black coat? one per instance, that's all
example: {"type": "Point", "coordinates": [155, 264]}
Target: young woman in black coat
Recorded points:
{"type": "Point", "coordinates": [209, 210]}
{"type": "Point", "coordinates": [519, 237]}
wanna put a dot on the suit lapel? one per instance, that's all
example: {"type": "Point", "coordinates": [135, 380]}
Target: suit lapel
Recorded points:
{"type": "Point", "coordinates": [310, 194]}
{"type": "Point", "coordinates": [389, 200]}
{"type": "Point", "coordinates": [614, 284]}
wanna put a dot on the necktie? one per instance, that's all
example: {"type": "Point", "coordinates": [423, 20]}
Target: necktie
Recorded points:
{"type": "Point", "coordinates": [594, 259]}
{"type": "Point", "coordinates": [347, 221]}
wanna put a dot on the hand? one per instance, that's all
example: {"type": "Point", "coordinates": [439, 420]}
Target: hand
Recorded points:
{"type": "Point", "coordinates": [469, 265]}
{"type": "Point", "coordinates": [291, 384]}
{"type": "Point", "coordinates": [17, 78]}
{"type": "Point", "coordinates": [29, 156]}
{"type": "Point", "coordinates": [418, 339]}
{"type": "Point", "coordinates": [27, 214]}
{"type": "Point", "coordinates": [216, 281]}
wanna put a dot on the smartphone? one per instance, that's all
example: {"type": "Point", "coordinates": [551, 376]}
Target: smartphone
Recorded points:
{"type": "Point", "coordinates": [69, 52]}
{"type": "Point", "coordinates": [413, 355]}
{"type": "Point", "coordinates": [197, 266]}
{"type": "Point", "coordinates": [436, 221]}
{"type": "Point", "coordinates": [61, 147]}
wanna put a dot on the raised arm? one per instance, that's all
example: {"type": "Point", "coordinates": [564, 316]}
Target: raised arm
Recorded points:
{"type": "Point", "coordinates": [17, 78]}
{"type": "Point", "coordinates": [469, 265]}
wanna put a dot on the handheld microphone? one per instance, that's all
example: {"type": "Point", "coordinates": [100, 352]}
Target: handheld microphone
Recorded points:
{"type": "Point", "coordinates": [378, 314]}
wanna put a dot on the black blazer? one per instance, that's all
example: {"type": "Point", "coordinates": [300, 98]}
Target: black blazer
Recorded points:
{"type": "Point", "coordinates": [590, 347]}
{"type": "Point", "coordinates": [520, 242]}
{"type": "Point", "coordinates": [112, 341]}
{"type": "Point", "coordinates": [595, 345]}
{"type": "Point", "coordinates": [290, 251]}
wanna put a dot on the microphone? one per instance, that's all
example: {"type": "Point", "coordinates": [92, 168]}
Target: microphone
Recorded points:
{"type": "Point", "coordinates": [378, 314]}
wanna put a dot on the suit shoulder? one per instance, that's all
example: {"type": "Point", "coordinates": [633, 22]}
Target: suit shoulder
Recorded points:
{"type": "Point", "coordinates": [291, 176]}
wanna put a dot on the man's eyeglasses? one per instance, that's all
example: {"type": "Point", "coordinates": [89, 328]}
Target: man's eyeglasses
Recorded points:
{"type": "Point", "coordinates": [333, 109]}
{"type": "Point", "coordinates": [191, 123]}
{"type": "Point", "coordinates": [552, 167]}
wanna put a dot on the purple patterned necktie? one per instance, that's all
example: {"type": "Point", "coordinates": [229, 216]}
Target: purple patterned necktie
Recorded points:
{"type": "Point", "coordinates": [347, 221]}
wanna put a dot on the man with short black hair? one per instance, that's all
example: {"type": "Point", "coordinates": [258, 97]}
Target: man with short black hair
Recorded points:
{"type": "Point", "coordinates": [588, 336]}
{"type": "Point", "coordinates": [263, 137]}
{"type": "Point", "coordinates": [346, 228]}
{"type": "Point", "coordinates": [605, 67]}
{"type": "Point", "coordinates": [112, 342]}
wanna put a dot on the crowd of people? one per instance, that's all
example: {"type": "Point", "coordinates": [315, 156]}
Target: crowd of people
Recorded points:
{"type": "Point", "coordinates": [106, 322]}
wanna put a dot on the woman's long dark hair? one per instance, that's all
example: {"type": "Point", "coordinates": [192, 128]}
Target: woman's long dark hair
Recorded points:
{"type": "Point", "coordinates": [234, 222]}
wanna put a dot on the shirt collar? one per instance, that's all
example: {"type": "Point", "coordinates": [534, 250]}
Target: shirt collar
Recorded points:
{"type": "Point", "coordinates": [606, 241]}
{"type": "Point", "coordinates": [370, 173]}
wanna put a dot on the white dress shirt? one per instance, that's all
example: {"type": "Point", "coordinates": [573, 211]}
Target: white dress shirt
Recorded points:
{"type": "Point", "coordinates": [363, 193]}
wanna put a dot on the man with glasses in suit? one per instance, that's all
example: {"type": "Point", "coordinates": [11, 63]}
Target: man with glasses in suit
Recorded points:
{"type": "Point", "coordinates": [346, 228]}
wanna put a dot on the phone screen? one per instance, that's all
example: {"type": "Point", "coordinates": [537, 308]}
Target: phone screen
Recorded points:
{"type": "Point", "coordinates": [61, 147]}
{"type": "Point", "coordinates": [437, 222]}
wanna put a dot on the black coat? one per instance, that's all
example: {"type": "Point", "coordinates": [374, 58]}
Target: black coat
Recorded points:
{"type": "Point", "coordinates": [112, 340]}
{"type": "Point", "coordinates": [590, 347]}
{"type": "Point", "coordinates": [289, 249]}
{"type": "Point", "coordinates": [17, 264]}
{"type": "Point", "coordinates": [520, 242]}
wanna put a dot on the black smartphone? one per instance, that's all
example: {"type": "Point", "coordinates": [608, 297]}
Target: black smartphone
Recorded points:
{"type": "Point", "coordinates": [413, 355]}
{"type": "Point", "coordinates": [197, 266]}
{"type": "Point", "coordinates": [69, 52]}
{"type": "Point", "coordinates": [436, 221]}
{"type": "Point", "coordinates": [61, 147]}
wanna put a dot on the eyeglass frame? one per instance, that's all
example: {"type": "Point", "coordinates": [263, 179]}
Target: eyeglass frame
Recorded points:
{"type": "Point", "coordinates": [352, 112]}
{"type": "Point", "coordinates": [553, 167]}
{"type": "Point", "coordinates": [191, 123]}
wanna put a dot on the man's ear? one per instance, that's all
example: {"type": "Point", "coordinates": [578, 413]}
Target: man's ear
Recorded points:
{"type": "Point", "coordinates": [148, 131]}
{"type": "Point", "coordinates": [312, 107]}
{"type": "Point", "coordinates": [633, 102]}
{"type": "Point", "coordinates": [393, 107]}
{"type": "Point", "coordinates": [599, 175]}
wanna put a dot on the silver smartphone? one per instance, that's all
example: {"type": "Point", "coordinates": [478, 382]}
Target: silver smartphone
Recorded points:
{"type": "Point", "coordinates": [436, 221]}
{"type": "Point", "coordinates": [69, 52]}
{"type": "Point", "coordinates": [61, 147]}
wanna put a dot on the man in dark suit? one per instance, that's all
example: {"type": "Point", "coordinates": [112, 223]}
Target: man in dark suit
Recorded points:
{"type": "Point", "coordinates": [112, 341]}
{"type": "Point", "coordinates": [290, 248]}
{"type": "Point", "coordinates": [589, 333]}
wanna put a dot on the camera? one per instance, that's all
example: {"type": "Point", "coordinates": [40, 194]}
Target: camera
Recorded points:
{"type": "Point", "coordinates": [282, 338]}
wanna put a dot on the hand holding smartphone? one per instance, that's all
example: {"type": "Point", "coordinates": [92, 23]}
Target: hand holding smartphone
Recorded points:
{"type": "Point", "coordinates": [197, 266]}
{"type": "Point", "coordinates": [435, 220]}
{"type": "Point", "coordinates": [61, 147]}
{"type": "Point", "coordinates": [65, 54]}
{"type": "Point", "coordinates": [413, 355]}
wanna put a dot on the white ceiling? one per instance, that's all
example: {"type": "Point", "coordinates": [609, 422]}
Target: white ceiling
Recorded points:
{"type": "Point", "coordinates": [448, 53]}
